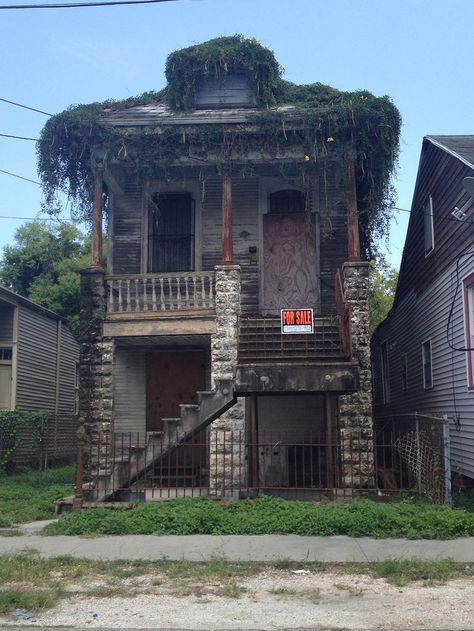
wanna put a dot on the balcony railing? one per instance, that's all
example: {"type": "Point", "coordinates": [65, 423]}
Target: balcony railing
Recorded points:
{"type": "Point", "coordinates": [160, 292]}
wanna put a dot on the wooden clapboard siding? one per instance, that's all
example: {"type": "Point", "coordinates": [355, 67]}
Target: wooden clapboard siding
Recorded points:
{"type": "Point", "coordinates": [419, 317]}
{"type": "Point", "coordinates": [440, 176]}
{"type": "Point", "coordinates": [127, 229]}
{"type": "Point", "coordinates": [333, 230]}
{"type": "Point", "coordinates": [425, 295]}
{"type": "Point", "coordinates": [129, 390]}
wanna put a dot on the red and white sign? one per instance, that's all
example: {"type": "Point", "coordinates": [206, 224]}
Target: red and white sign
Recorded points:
{"type": "Point", "coordinates": [296, 321]}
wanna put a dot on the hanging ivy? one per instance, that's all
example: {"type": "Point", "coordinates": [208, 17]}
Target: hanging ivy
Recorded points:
{"type": "Point", "coordinates": [14, 425]}
{"type": "Point", "coordinates": [323, 126]}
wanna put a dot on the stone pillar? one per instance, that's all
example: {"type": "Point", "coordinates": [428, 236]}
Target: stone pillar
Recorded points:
{"type": "Point", "coordinates": [227, 433]}
{"type": "Point", "coordinates": [355, 410]}
{"type": "Point", "coordinates": [95, 384]}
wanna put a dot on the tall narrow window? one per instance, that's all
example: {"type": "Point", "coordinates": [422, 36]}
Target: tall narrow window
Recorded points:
{"type": "Point", "coordinates": [171, 233]}
{"type": "Point", "coordinates": [385, 373]}
{"type": "Point", "coordinates": [469, 327]}
{"type": "Point", "coordinates": [428, 226]}
{"type": "Point", "coordinates": [427, 365]}
{"type": "Point", "coordinates": [404, 373]}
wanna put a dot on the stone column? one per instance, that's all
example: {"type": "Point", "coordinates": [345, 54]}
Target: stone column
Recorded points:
{"type": "Point", "coordinates": [95, 385]}
{"type": "Point", "coordinates": [227, 433]}
{"type": "Point", "coordinates": [355, 410]}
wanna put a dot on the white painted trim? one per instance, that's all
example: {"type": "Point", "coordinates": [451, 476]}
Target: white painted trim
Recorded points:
{"type": "Point", "coordinates": [15, 357]}
{"type": "Point", "coordinates": [467, 341]}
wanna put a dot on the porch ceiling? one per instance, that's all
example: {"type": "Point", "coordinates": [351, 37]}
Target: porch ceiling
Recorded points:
{"type": "Point", "coordinates": [201, 341]}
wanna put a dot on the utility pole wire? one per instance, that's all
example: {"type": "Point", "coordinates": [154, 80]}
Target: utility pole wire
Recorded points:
{"type": "Point", "coordinates": [26, 107]}
{"type": "Point", "coordinates": [19, 137]}
{"type": "Point", "coordinates": [72, 5]}
{"type": "Point", "coordinates": [20, 177]}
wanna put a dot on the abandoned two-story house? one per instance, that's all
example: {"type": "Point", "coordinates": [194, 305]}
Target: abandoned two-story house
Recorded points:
{"type": "Point", "coordinates": [230, 196]}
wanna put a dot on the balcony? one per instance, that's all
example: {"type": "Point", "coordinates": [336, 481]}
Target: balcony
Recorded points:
{"type": "Point", "coordinates": [156, 304]}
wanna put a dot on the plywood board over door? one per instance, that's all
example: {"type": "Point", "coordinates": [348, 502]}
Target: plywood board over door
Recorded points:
{"type": "Point", "coordinates": [289, 262]}
{"type": "Point", "coordinates": [172, 378]}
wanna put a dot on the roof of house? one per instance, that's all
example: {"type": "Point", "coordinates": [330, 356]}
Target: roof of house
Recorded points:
{"type": "Point", "coordinates": [461, 147]}
{"type": "Point", "coordinates": [12, 297]}
{"type": "Point", "coordinates": [160, 114]}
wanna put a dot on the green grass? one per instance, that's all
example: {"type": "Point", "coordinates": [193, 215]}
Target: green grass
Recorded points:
{"type": "Point", "coordinates": [431, 572]}
{"type": "Point", "coordinates": [272, 516]}
{"type": "Point", "coordinates": [30, 495]}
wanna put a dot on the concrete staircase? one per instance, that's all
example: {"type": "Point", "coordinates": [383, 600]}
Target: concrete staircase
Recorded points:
{"type": "Point", "coordinates": [125, 468]}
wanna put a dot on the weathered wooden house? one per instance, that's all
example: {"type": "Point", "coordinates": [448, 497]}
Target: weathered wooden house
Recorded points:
{"type": "Point", "coordinates": [422, 352]}
{"type": "Point", "coordinates": [229, 199]}
{"type": "Point", "coordinates": [38, 372]}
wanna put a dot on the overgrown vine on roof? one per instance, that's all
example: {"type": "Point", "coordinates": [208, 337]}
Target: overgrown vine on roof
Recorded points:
{"type": "Point", "coordinates": [324, 127]}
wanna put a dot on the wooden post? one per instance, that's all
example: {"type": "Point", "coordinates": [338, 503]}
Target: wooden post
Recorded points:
{"type": "Point", "coordinates": [254, 444]}
{"type": "Point", "coordinates": [96, 241]}
{"type": "Point", "coordinates": [329, 445]}
{"type": "Point", "coordinates": [353, 242]}
{"type": "Point", "coordinates": [227, 243]}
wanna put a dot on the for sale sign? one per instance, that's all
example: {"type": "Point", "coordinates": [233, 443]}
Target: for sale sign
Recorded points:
{"type": "Point", "coordinates": [296, 321]}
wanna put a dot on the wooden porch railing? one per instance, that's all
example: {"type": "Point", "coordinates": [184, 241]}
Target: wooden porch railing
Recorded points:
{"type": "Point", "coordinates": [160, 292]}
{"type": "Point", "coordinates": [343, 312]}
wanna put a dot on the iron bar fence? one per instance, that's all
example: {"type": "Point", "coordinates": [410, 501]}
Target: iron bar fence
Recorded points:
{"type": "Point", "coordinates": [403, 456]}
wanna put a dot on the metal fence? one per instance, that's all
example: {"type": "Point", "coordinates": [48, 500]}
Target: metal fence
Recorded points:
{"type": "Point", "coordinates": [403, 456]}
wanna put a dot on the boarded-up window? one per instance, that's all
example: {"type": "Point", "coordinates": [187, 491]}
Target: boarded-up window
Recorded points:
{"type": "Point", "coordinates": [171, 233]}
{"type": "Point", "coordinates": [229, 90]}
{"type": "Point", "coordinates": [427, 365]}
{"type": "Point", "coordinates": [428, 226]}
{"type": "Point", "coordinates": [287, 201]}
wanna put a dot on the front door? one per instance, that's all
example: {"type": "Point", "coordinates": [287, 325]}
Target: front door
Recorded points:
{"type": "Point", "coordinates": [172, 377]}
{"type": "Point", "coordinates": [289, 262]}
{"type": "Point", "coordinates": [5, 386]}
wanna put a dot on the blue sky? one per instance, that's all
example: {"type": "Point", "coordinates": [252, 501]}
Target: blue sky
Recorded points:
{"type": "Point", "coordinates": [419, 52]}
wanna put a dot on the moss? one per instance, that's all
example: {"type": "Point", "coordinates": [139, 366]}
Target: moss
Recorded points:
{"type": "Point", "coordinates": [324, 126]}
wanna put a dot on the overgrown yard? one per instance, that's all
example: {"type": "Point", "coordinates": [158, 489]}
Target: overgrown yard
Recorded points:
{"type": "Point", "coordinates": [30, 495]}
{"type": "Point", "coordinates": [272, 516]}
{"type": "Point", "coordinates": [31, 583]}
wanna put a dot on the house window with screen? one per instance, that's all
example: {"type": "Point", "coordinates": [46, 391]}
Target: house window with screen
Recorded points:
{"type": "Point", "coordinates": [469, 327]}
{"type": "Point", "coordinates": [171, 233]}
{"type": "Point", "coordinates": [428, 226]}
{"type": "Point", "coordinates": [427, 365]}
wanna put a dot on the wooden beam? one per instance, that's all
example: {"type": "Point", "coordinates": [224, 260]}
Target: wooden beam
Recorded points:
{"type": "Point", "coordinates": [96, 242]}
{"type": "Point", "coordinates": [227, 242]}
{"type": "Point", "coordinates": [353, 241]}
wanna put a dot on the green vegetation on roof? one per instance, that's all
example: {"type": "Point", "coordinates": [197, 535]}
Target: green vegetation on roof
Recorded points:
{"type": "Point", "coordinates": [324, 127]}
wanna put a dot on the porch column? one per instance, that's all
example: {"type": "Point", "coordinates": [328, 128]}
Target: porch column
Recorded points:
{"type": "Point", "coordinates": [227, 243]}
{"type": "Point", "coordinates": [96, 241]}
{"type": "Point", "coordinates": [353, 241]}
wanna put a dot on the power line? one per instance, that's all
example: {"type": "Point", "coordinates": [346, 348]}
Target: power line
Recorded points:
{"type": "Point", "coordinates": [31, 218]}
{"type": "Point", "coordinates": [20, 177]}
{"type": "Point", "coordinates": [72, 5]}
{"type": "Point", "coordinates": [19, 137]}
{"type": "Point", "coordinates": [26, 107]}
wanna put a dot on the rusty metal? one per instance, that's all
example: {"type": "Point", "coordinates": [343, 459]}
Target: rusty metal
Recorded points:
{"type": "Point", "coordinates": [353, 239]}
{"type": "Point", "coordinates": [78, 501]}
{"type": "Point", "coordinates": [227, 241]}
{"type": "Point", "coordinates": [96, 241]}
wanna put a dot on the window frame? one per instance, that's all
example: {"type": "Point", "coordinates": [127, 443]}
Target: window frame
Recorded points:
{"type": "Point", "coordinates": [423, 355]}
{"type": "Point", "coordinates": [428, 212]}
{"type": "Point", "coordinates": [468, 299]}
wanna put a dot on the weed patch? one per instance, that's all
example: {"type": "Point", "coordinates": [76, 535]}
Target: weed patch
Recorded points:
{"type": "Point", "coordinates": [269, 515]}
{"type": "Point", "coordinates": [30, 495]}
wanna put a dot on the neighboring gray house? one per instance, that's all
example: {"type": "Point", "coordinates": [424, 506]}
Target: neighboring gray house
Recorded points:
{"type": "Point", "coordinates": [420, 357]}
{"type": "Point", "coordinates": [38, 368]}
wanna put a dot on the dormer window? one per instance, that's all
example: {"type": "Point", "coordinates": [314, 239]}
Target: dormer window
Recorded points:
{"type": "Point", "coordinates": [230, 90]}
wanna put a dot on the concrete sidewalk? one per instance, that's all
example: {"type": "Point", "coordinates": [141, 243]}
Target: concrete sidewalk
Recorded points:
{"type": "Point", "coordinates": [261, 548]}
